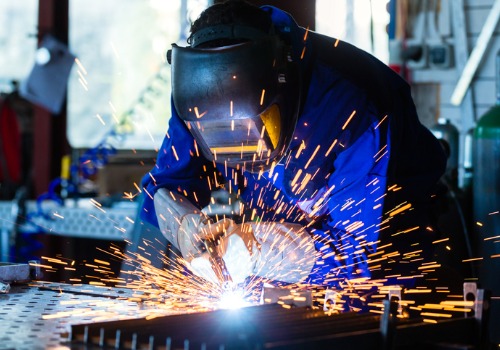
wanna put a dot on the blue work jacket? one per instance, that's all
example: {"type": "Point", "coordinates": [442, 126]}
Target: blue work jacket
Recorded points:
{"type": "Point", "coordinates": [358, 147]}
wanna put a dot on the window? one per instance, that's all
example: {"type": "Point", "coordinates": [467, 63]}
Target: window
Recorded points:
{"type": "Point", "coordinates": [119, 88]}
{"type": "Point", "coordinates": [18, 25]}
{"type": "Point", "coordinates": [352, 20]}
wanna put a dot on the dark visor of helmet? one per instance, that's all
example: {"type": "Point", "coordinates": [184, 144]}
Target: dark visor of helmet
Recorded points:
{"type": "Point", "coordinates": [233, 99]}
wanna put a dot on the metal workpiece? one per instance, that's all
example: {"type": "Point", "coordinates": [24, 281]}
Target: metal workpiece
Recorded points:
{"type": "Point", "coordinates": [285, 296]}
{"type": "Point", "coordinates": [14, 272]}
{"type": "Point", "coordinates": [4, 287]}
{"type": "Point", "coordinates": [273, 327]}
{"type": "Point", "coordinates": [255, 327]}
{"type": "Point", "coordinates": [43, 315]}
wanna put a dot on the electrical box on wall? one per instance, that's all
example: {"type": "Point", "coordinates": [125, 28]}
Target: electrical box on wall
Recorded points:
{"type": "Point", "coordinates": [440, 56]}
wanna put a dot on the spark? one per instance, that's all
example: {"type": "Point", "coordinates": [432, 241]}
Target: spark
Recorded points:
{"type": "Point", "coordinates": [100, 119]}
{"type": "Point", "coordinates": [348, 120]}
{"type": "Point", "coordinates": [128, 195]}
{"type": "Point", "coordinates": [80, 66]}
{"type": "Point", "coordinates": [312, 157]}
{"type": "Point", "coordinates": [197, 113]}
{"type": "Point", "coordinates": [381, 121]}
{"type": "Point", "coordinates": [58, 215]}
{"type": "Point", "coordinates": [175, 289]}
{"type": "Point", "coordinates": [490, 238]}
{"type": "Point", "coordinates": [385, 151]}
{"type": "Point", "coordinates": [115, 51]}
{"type": "Point", "coordinates": [472, 259]}
{"type": "Point", "coordinates": [95, 203]}
{"type": "Point", "coordinates": [175, 153]}
{"type": "Point", "coordinates": [303, 53]}
{"type": "Point", "coordinates": [101, 262]}
{"type": "Point", "coordinates": [262, 96]}
{"type": "Point", "coordinates": [401, 209]}
{"type": "Point", "coordinates": [115, 118]}
{"type": "Point", "coordinates": [441, 240]}
{"type": "Point", "coordinates": [83, 81]}
{"type": "Point", "coordinates": [427, 320]}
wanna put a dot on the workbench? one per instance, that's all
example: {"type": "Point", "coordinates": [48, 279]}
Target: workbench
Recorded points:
{"type": "Point", "coordinates": [39, 315]}
{"type": "Point", "coordinates": [43, 315]}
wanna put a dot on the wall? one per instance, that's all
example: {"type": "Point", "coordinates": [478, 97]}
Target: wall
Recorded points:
{"type": "Point", "coordinates": [433, 88]}
{"type": "Point", "coordinates": [436, 102]}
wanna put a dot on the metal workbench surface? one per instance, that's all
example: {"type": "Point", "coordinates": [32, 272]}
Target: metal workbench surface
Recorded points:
{"type": "Point", "coordinates": [43, 315]}
{"type": "Point", "coordinates": [39, 315]}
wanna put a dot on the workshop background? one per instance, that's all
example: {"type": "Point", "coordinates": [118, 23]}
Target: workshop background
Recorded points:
{"type": "Point", "coordinates": [84, 106]}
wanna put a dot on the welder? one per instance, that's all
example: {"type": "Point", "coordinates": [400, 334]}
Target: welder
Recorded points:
{"type": "Point", "coordinates": [319, 139]}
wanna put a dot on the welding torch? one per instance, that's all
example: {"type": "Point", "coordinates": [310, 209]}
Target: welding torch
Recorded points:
{"type": "Point", "coordinates": [218, 264]}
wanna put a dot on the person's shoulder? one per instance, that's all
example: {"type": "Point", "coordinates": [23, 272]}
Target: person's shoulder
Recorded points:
{"type": "Point", "coordinates": [359, 67]}
{"type": "Point", "coordinates": [347, 57]}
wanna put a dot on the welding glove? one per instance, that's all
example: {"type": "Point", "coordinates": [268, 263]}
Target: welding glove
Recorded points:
{"type": "Point", "coordinates": [276, 251]}
{"type": "Point", "coordinates": [179, 221]}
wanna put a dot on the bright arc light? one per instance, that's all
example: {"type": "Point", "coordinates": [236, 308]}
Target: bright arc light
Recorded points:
{"type": "Point", "coordinates": [233, 299]}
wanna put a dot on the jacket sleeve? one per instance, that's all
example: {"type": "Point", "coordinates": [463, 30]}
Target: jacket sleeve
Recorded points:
{"type": "Point", "coordinates": [179, 167]}
{"type": "Point", "coordinates": [354, 207]}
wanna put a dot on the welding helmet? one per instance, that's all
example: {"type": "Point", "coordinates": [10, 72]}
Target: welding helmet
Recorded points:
{"type": "Point", "coordinates": [239, 101]}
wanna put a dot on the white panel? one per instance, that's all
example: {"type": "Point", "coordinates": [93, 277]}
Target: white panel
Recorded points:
{"type": "Point", "coordinates": [478, 3]}
{"type": "Point", "coordinates": [475, 18]}
{"type": "Point", "coordinates": [487, 67]}
{"type": "Point", "coordinates": [484, 92]}
{"type": "Point", "coordinates": [434, 76]}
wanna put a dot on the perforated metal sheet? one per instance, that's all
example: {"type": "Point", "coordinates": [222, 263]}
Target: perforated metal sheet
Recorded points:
{"type": "Point", "coordinates": [6, 221]}
{"type": "Point", "coordinates": [39, 316]}
{"type": "Point", "coordinates": [87, 222]}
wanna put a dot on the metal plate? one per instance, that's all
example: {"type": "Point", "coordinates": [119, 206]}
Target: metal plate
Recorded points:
{"type": "Point", "coordinates": [40, 315]}
{"type": "Point", "coordinates": [12, 272]}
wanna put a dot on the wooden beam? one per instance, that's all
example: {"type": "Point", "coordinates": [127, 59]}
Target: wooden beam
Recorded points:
{"type": "Point", "coordinates": [49, 139]}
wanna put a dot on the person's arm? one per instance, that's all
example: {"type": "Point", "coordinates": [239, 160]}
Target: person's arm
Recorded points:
{"type": "Point", "coordinates": [179, 168]}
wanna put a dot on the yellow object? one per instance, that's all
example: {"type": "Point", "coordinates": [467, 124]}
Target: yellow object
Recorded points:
{"type": "Point", "coordinates": [271, 119]}
{"type": "Point", "coordinates": [65, 166]}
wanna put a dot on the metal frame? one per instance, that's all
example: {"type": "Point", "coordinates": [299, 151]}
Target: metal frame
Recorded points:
{"type": "Point", "coordinates": [89, 222]}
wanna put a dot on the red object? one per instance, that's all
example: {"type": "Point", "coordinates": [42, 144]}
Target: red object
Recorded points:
{"type": "Point", "coordinates": [397, 68]}
{"type": "Point", "coordinates": [10, 144]}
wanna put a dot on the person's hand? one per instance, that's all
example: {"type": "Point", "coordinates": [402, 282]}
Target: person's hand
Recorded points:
{"type": "Point", "coordinates": [236, 245]}
{"type": "Point", "coordinates": [278, 251]}
{"type": "Point", "coordinates": [179, 221]}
